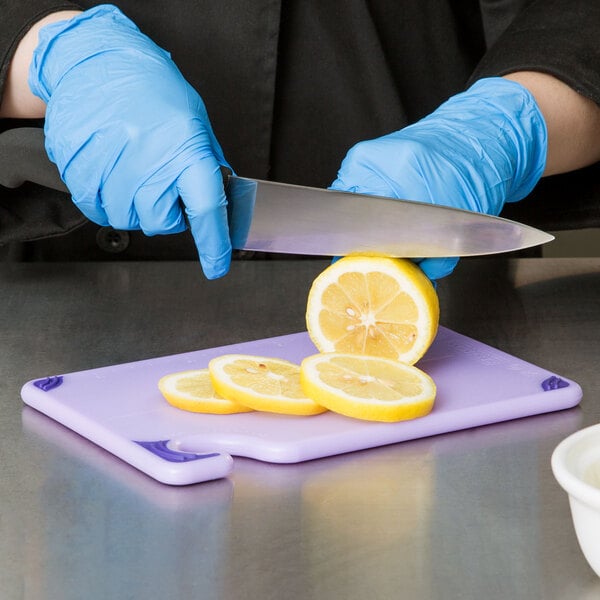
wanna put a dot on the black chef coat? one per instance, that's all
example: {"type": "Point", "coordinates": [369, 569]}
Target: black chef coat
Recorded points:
{"type": "Point", "coordinates": [291, 86]}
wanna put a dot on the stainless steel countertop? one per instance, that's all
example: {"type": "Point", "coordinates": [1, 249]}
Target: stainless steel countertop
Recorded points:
{"type": "Point", "coordinates": [471, 515]}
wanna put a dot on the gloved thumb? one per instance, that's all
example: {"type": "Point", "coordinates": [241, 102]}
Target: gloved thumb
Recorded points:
{"type": "Point", "coordinates": [436, 268]}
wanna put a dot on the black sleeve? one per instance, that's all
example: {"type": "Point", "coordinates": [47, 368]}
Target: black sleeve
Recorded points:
{"type": "Point", "coordinates": [30, 211]}
{"type": "Point", "coordinates": [17, 17]}
{"type": "Point", "coordinates": [558, 37]}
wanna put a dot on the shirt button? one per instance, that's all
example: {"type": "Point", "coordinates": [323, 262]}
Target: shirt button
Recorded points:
{"type": "Point", "coordinates": [112, 240]}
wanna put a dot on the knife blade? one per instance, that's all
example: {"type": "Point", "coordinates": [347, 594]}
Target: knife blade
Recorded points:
{"type": "Point", "coordinates": [278, 217]}
{"type": "Point", "coordinates": [283, 218]}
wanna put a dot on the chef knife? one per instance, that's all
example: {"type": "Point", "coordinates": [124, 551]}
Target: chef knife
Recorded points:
{"type": "Point", "coordinates": [292, 219]}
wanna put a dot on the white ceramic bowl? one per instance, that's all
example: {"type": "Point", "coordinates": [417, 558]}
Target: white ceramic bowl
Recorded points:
{"type": "Point", "coordinates": [576, 466]}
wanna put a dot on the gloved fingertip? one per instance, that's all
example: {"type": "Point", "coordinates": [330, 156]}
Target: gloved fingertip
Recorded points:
{"type": "Point", "coordinates": [164, 228]}
{"type": "Point", "coordinates": [215, 268]}
{"type": "Point", "coordinates": [89, 205]}
{"type": "Point", "coordinates": [340, 185]}
{"type": "Point", "coordinates": [436, 268]}
{"type": "Point", "coordinates": [214, 271]}
{"type": "Point", "coordinates": [94, 215]}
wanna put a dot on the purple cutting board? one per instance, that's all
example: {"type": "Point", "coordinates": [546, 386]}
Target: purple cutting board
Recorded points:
{"type": "Point", "coordinates": [120, 408]}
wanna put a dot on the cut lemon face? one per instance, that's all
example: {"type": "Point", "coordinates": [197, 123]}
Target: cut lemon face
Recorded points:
{"type": "Point", "coordinates": [261, 383]}
{"type": "Point", "coordinates": [374, 306]}
{"type": "Point", "coordinates": [193, 391]}
{"type": "Point", "coordinates": [367, 387]}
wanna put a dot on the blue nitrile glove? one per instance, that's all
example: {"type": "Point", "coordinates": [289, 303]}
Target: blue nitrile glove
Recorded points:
{"type": "Point", "coordinates": [129, 135]}
{"type": "Point", "coordinates": [478, 150]}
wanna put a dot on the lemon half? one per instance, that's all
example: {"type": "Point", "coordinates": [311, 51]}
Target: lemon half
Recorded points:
{"type": "Point", "coordinates": [375, 306]}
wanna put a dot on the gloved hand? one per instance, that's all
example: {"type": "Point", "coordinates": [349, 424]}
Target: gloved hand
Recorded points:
{"type": "Point", "coordinates": [128, 133]}
{"type": "Point", "coordinates": [478, 150]}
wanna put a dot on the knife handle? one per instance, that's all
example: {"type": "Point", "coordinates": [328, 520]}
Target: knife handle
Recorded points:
{"type": "Point", "coordinates": [23, 158]}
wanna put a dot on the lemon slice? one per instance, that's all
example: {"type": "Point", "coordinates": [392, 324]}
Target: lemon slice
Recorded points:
{"type": "Point", "coordinates": [261, 383]}
{"type": "Point", "coordinates": [367, 387]}
{"type": "Point", "coordinates": [376, 306]}
{"type": "Point", "coordinates": [193, 391]}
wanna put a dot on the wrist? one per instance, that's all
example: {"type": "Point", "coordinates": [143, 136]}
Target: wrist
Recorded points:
{"type": "Point", "coordinates": [502, 119]}
{"type": "Point", "coordinates": [573, 121]}
{"type": "Point", "coordinates": [18, 101]}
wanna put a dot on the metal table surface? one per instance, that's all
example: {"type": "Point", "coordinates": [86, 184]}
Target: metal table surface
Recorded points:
{"type": "Point", "coordinates": [473, 514]}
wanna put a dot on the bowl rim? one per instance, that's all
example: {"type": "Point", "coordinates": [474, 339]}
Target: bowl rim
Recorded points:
{"type": "Point", "coordinates": [572, 484]}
